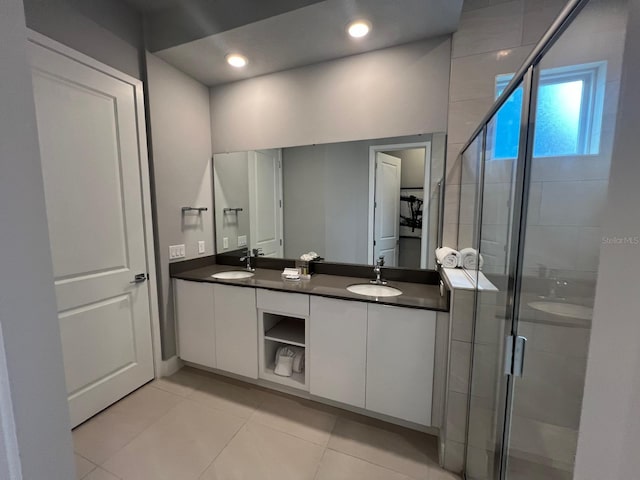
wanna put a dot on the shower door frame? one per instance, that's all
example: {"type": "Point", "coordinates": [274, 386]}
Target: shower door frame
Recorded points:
{"type": "Point", "coordinates": [529, 77]}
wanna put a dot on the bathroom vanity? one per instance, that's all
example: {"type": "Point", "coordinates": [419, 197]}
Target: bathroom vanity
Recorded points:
{"type": "Point", "coordinates": [374, 355]}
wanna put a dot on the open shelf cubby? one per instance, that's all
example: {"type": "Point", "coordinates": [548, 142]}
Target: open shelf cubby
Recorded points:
{"type": "Point", "coordinates": [279, 330]}
{"type": "Point", "coordinates": [287, 330]}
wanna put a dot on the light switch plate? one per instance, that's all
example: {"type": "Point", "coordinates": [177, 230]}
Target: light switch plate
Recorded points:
{"type": "Point", "coordinates": [201, 246]}
{"type": "Point", "coordinates": [225, 242]}
{"type": "Point", "coordinates": [242, 241]}
{"type": "Point", "coordinates": [176, 251]}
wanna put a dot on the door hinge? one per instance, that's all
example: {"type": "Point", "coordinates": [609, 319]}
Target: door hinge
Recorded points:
{"type": "Point", "coordinates": [280, 203]}
{"type": "Point", "coordinates": [514, 350]}
{"type": "Point", "coordinates": [280, 242]}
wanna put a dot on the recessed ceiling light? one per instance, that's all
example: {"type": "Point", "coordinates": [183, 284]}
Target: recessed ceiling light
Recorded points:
{"type": "Point", "coordinates": [236, 60]}
{"type": "Point", "coordinates": [359, 28]}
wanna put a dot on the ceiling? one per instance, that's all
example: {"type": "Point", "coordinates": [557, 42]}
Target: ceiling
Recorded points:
{"type": "Point", "coordinates": [282, 34]}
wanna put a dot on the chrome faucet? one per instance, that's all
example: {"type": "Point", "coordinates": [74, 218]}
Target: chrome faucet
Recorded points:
{"type": "Point", "coordinates": [556, 285]}
{"type": "Point", "coordinates": [257, 252]}
{"type": "Point", "coordinates": [378, 270]}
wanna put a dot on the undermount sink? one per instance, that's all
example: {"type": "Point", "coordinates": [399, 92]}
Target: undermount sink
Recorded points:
{"type": "Point", "coordinates": [564, 309]}
{"type": "Point", "coordinates": [371, 290]}
{"type": "Point", "coordinates": [232, 275]}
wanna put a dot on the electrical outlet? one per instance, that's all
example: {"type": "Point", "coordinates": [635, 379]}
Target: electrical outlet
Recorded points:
{"type": "Point", "coordinates": [225, 242]}
{"type": "Point", "coordinates": [176, 251]}
{"type": "Point", "coordinates": [242, 241]}
{"type": "Point", "coordinates": [201, 246]}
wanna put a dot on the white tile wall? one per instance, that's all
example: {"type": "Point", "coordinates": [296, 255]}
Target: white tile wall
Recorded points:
{"type": "Point", "coordinates": [494, 27]}
{"type": "Point", "coordinates": [474, 76]}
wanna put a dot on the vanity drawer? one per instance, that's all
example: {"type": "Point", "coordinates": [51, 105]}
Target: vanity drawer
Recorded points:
{"type": "Point", "coordinates": [288, 303]}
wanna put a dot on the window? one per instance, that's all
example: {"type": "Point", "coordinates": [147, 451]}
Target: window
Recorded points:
{"type": "Point", "coordinates": [568, 116]}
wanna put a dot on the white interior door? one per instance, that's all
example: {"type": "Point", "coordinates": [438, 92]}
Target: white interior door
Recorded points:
{"type": "Point", "coordinates": [265, 202]}
{"type": "Point", "coordinates": [88, 135]}
{"type": "Point", "coordinates": [387, 209]}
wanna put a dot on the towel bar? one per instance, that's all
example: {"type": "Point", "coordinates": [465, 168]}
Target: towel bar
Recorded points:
{"type": "Point", "coordinates": [194, 209]}
{"type": "Point", "coordinates": [231, 210]}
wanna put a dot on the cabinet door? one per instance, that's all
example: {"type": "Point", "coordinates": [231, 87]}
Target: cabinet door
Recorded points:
{"type": "Point", "coordinates": [196, 326]}
{"type": "Point", "coordinates": [400, 359]}
{"type": "Point", "coordinates": [338, 350]}
{"type": "Point", "coordinates": [236, 330]}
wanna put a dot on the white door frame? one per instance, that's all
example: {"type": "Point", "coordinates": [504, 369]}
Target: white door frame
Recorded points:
{"type": "Point", "coordinates": [373, 150]}
{"type": "Point", "coordinates": [279, 194]}
{"type": "Point", "coordinates": [145, 183]}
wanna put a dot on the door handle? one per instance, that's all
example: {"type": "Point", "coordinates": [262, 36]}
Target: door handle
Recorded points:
{"type": "Point", "coordinates": [139, 278]}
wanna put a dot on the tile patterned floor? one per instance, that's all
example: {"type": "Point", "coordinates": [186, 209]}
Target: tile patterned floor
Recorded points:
{"type": "Point", "coordinates": [196, 426]}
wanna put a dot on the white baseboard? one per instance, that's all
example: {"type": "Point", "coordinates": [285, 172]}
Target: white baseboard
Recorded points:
{"type": "Point", "coordinates": [171, 366]}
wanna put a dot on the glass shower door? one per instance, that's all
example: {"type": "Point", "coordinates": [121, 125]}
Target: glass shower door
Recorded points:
{"type": "Point", "coordinates": [494, 272]}
{"type": "Point", "coordinates": [576, 98]}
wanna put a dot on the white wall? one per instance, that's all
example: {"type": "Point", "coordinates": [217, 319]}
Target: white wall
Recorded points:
{"type": "Point", "coordinates": [181, 168]}
{"type": "Point", "coordinates": [493, 38]}
{"type": "Point", "coordinates": [108, 30]}
{"type": "Point", "coordinates": [231, 182]}
{"type": "Point", "coordinates": [396, 91]}
{"type": "Point", "coordinates": [610, 425]}
{"type": "Point", "coordinates": [28, 313]}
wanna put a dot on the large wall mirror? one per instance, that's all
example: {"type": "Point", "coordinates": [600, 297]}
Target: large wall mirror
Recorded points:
{"type": "Point", "coordinates": [350, 202]}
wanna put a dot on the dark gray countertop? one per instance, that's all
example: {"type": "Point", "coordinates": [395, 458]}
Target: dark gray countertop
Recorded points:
{"type": "Point", "coordinates": [414, 295]}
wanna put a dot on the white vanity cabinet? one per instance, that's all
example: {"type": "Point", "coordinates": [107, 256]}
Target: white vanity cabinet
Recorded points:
{"type": "Point", "coordinates": [400, 362]}
{"type": "Point", "coordinates": [338, 342]}
{"type": "Point", "coordinates": [236, 330]}
{"type": "Point", "coordinates": [373, 357]}
{"type": "Point", "coordinates": [196, 328]}
{"type": "Point", "coordinates": [217, 326]}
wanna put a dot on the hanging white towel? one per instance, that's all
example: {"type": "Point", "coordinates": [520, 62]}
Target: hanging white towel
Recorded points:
{"type": "Point", "coordinates": [471, 259]}
{"type": "Point", "coordinates": [448, 257]}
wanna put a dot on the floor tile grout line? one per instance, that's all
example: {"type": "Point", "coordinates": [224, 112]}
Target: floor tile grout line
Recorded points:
{"type": "Point", "coordinates": [386, 467]}
{"type": "Point", "coordinates": [223, 448]}
{"type": "Point", "coordinates": [140, 433]}
{"type": "Point", "coordinates": [324, 445]}
{"type": "Point", "coordinates": [118, 477]}
{"type": "Point", "coordinates": [85, 458]}
{"type": "Point", "coordinates": [167, 391]}
{"type": "Point", "coordinates": [319, 464]}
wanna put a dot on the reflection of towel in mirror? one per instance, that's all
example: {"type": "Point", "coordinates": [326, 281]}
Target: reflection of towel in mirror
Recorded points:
{"type": "Point", "coordinates": [471, 259]}
{"type": "Point", "coordinates": [448, 257]}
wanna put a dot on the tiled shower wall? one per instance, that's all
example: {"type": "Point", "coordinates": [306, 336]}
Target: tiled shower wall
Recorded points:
{"type": "Point", "coordinates": [494, 38]}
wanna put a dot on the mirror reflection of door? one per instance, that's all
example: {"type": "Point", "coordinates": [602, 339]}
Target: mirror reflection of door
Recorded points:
{"type": "Point", "coordinates": [265, 202]}
{"type": "Point", "coordinates": [386, 241]}
{"type": "Point", "coordinates": [401, 211]}
{"type": "Point", "coordinates": [248, 202]}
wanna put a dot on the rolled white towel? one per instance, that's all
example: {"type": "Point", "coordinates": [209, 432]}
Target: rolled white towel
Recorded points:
{"type": "Point", "coordinates": [285, 357]}
{"type": "Point", "coordinates": [471, 259]}
{"type": "Point", "coordinates": [298, 360]}
{"type": "Point", "coordinates": [448, 257]}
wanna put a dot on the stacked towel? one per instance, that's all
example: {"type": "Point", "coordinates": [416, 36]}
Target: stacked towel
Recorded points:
{"type": "Point", "coordinates": [471, 259]}
{"type": "Point", "coordinates": [289, 359]}
{"type": "Point", "coordinates": [291, 274]}
{"type": "Point", "coordinates": [448, 257]}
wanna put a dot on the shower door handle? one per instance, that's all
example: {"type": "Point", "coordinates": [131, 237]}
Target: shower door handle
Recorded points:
{"type": "Point", "coordinates": [514, 355]}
